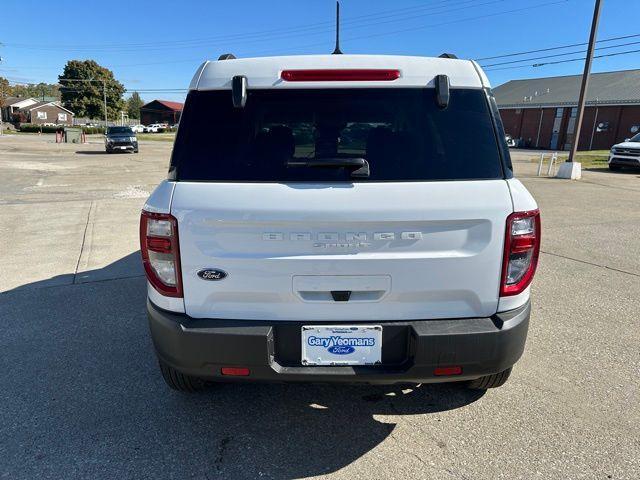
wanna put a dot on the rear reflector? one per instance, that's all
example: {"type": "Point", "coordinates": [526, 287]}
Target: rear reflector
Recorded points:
{"type": "Point", "coordinates": [235, 371]}
{"type": "Point", "coordinates": [447, 371]}
{"type": "Point", "coordinates": [351, 75]}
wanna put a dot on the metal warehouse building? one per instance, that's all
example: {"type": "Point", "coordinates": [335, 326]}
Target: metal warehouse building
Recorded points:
{"type": "Point", "coordinates": [541, 112]}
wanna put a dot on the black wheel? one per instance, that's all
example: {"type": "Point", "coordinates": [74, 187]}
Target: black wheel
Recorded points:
{"type": "Point", "coordinates": [615, 168]}
{"type": "Point", "coordinates": [135, 151]}
{"type": "Point", "coordinates": [490, 381]}
{"type": "Point", "coordinates": [180, 381]}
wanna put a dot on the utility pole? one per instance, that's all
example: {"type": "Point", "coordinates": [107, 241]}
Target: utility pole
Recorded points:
{"type": "Point", "coordinates": [104, 93]}
{"type": "Point", "coordinates": [585, 80]}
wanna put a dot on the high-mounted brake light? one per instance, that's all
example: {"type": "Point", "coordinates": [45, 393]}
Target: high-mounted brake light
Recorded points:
{"type": "Point", "coordinates": [333, 75]}
{"type": "Point", "coordinates": [161, 252]}
{"type": "Point", "coordinates": [521, 251]}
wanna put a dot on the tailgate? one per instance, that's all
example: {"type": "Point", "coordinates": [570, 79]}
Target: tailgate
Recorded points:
{"type": "Point", "coordinates": [335, 252]}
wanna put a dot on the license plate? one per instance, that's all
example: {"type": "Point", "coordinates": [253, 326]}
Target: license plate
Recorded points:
{"type": "Point", "coordinates": [123, 148]}
{"type": "Point", "coordinates": [342, 345]}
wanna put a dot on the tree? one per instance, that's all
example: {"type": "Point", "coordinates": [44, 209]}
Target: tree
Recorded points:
{"type": "Point", "coordinates": [134, 104]}
{"type": "Point", "coordinates": [85, 97]}
{"type": "Point", "coordinates": [36, 91]}
{"type": "Point", "coordinates": [5, 90]}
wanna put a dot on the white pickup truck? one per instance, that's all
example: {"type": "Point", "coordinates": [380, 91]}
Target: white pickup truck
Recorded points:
{"type": "Point", "coordinates": [321, 221]}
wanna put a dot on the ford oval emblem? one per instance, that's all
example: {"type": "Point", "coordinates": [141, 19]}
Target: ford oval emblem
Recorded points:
{"type": "Point", "coordinates": [212, 274]}
{"type": "Point", "coordinates": [341, 349]}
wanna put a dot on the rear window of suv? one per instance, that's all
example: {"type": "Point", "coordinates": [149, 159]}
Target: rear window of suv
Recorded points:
{"type": "Point", "coordinates": [400, 132]}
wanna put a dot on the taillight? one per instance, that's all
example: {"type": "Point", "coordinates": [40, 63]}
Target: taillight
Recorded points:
{"type": "Point", "coordinates": [161, 252]}
{"type": "Point", "coordinates": [521, 250]}
{"type": "Point", "coordinates": [343, 75]}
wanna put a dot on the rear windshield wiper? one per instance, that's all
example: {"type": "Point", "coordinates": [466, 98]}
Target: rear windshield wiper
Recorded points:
{"type": "Point", "coordinates": [359, 166]}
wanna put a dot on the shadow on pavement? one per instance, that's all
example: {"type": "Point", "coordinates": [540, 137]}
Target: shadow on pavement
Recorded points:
{"type": "Point", "coordinates": [91, 152]}
{"type": "Point", "coordinates": [82, 397]}
{"type": "Point", "coordinates": [623, 171]}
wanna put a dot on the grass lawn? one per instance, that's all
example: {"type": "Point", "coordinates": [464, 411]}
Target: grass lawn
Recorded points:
{"type": "Point", "coordinates": [157, 137]}
{"type": "Point", "coordinates": [593, 159]}
{"type": "Point", "coordinates": [589, 159]}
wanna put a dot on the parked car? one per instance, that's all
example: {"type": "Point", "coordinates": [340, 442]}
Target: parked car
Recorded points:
{"type": "Point", "coordinates": [138, 128]}
{"type": "Point", "coordinates": [326, 224]}
{"type": "Point", "coordinates": [625, 154]}
{"type": "Point", "coordinates": [120, 139]}
{"type": "Point", "coordinates": [153, 128]}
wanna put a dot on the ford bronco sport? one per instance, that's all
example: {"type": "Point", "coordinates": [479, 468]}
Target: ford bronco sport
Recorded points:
{"type": "Point", "coordinates": [322, 221]}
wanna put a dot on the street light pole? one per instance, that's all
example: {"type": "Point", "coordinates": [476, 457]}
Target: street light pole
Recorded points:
{"type": "Point", "coordinates": [585, 80]}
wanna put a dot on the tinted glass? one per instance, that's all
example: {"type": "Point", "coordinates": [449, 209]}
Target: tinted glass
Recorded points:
{"type": "Point", "coordinates": [401, 133]}
{"type": "Point", "coordinates": [119, 130]}
{"type": "Point", "coordinates": [635, 138]}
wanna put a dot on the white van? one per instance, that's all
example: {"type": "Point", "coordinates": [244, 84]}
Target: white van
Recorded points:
{"type": "Point", "coordinates": [322, 221]}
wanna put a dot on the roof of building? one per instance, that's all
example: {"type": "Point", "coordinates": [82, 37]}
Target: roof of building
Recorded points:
{"type": "Point", "coordinates": [265, 72]}
{"type": "Point", "coordinates": [175, 106]}
{"type": "Point", "coordinates": [609, 88]}
{"type": "Point", "coordinates": [10, 101]}
{"type": "Point", "coordinates": [37, 105]}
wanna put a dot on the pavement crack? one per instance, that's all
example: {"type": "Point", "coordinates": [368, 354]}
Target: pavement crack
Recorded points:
{"type": "Point", "coordinates": [84, 238]}
{"type": "Point", "coordinates": [591, 263]}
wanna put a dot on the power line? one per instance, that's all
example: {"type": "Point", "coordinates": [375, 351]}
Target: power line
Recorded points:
{"type": "Point", "coordinates": [275, 35]}
{"type": "Point", "coordinates": [462, 20]}
{"type": "Point", "coordinates": [560, 47]}
{"type": "Point", "coordinates": [382, 33]}
{"type": "Point", "coordinates": [564, 61]}
{"type": "Point", "coordinates": [329, 23]}
{"type": "Point", "coordinates": [559, 55]}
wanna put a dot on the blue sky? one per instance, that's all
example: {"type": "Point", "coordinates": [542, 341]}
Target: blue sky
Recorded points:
{"type": "Point", "coordinates": [159, 44]}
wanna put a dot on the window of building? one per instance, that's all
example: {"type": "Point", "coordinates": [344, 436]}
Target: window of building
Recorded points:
{"type": "Point", "coordinates": [42, 115]}
{"type": "Point", "coordinates": [574, 112]}
{"type": "Point", "coordinates": [62, 117]}
{"type": "Point", "coordinates": [559, 112]}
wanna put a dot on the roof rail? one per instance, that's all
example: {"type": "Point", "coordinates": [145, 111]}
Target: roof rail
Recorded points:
{"type": "Point", "coordinates": [447, 55]}
{"type": "Point", "coordinates": [227, 56]}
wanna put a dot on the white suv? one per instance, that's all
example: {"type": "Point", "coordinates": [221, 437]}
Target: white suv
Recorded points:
{"type": "Point", "coordinates": [322, 221]}
{"type": "Point", "coordinates": [625, 154]}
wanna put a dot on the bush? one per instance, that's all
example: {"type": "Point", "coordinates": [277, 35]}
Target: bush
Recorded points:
{"type": "Point", "coordinates": [31, 127]}
{"type": "Point", "coordinates": [91, 130]}
{"type": "Point", "coordinates": [35, 128]}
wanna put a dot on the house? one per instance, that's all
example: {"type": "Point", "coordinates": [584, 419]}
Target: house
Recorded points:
{"type": "Point", "coordinates": [11, 105]}
{"type": "Point", "coordinates": [47, 112]}
{"type": "Point", "coordinates": [542, 112]}
{"type": "Point", "coordinates": [161, 111]}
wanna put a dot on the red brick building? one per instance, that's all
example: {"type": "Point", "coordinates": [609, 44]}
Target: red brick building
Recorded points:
{"type": "Point", "coordinates": [161, 111]}
{"type": "Point", "coordinates": [541, 112]}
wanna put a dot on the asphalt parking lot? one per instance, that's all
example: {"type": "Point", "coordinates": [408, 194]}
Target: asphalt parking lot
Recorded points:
{"type": "Point", "coordinates": [82, 397]}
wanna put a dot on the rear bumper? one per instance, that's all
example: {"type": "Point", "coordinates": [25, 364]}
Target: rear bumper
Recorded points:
{"type": "Point", "coordinates": [122, 146]}
{"type": "Point", "coordinates": [411, 350]}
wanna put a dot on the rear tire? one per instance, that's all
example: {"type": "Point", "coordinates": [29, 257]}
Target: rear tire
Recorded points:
{"type": "Point", "coordinates": [179, 381]}
{"type": "Point", "coordinates": [490, 381]}
{"type": "Point", "coordinates": [615, 168]}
